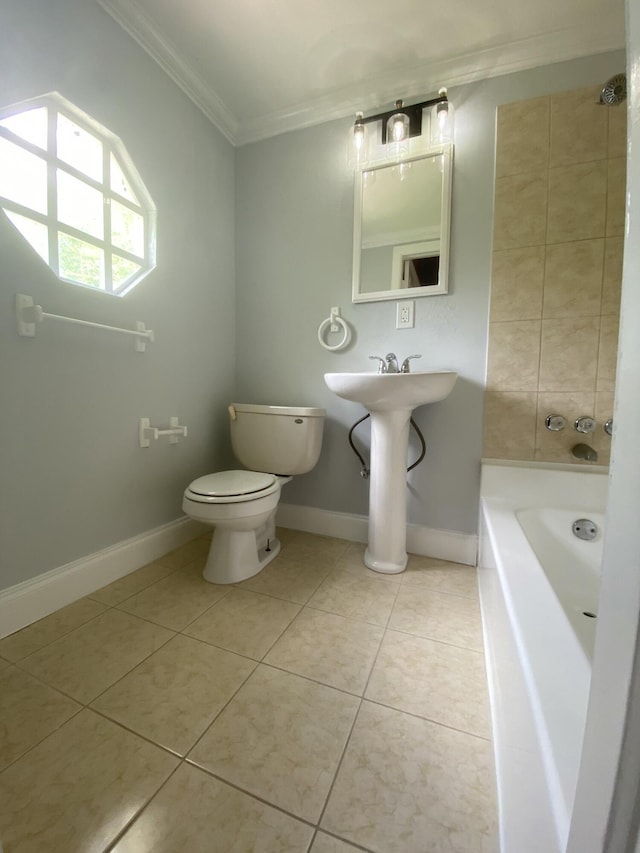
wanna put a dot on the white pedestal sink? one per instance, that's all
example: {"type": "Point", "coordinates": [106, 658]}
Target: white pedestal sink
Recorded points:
{"type": "Point", "coordinates": [390, 398]}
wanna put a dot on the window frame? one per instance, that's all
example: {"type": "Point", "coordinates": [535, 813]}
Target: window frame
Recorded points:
{"type": "Point", "coordinates": [112, 145]}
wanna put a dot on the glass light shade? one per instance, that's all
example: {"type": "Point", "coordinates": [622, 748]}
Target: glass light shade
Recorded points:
{"type": "Point", "coordinates": [357, 142]}
{"type": "Point", "coordinates": [442, 123]}
{"type": "Point", "coordinates": [398, 128]}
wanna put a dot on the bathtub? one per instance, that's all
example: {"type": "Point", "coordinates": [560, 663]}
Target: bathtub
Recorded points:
{"type": "Point", "coordinates": [539, 595]}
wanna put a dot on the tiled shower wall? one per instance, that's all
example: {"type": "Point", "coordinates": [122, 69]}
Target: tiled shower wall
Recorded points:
{"type": "Point", "coordinates": [557, 268]}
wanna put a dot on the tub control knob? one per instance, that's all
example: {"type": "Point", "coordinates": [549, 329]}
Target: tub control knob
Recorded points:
{"type": "Point", "coordinates": [555, 422]}
{"type": "Point", "coordinates": [585, 424]}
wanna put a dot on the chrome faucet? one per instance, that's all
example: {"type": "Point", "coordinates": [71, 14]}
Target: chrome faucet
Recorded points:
{"type": "Point", "coordinates": [405, 364]}
{"type": "Point", "coordinates": [583, 451]}
{"type": "Point", "coordinates": [382, 364]}
{"type": "Point", "coordinates": [392, 362]}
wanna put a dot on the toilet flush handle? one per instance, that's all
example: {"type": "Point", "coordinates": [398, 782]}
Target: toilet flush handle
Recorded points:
{"type": "Point", "coordinates": [232, 413]}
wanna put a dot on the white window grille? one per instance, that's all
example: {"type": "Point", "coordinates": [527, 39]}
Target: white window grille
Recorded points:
{"type": "Point", "coordinates": [69, 187]}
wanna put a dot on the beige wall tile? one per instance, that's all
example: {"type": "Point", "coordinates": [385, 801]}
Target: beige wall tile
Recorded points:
{"type": "Point", "coordinates": [612, 279]}
{"type": "Point", "coordinates": [617, 130]}
{"type": "Point", "coordinates": [556, 446]}
{"type": "Point", "coordinates": [573, 279]}
{"type": "Point", "coordinates": [608, 353]}
{"type": "Point", "coordinates": [604, 411]}
{"type": "Point", "coordinates": [579, 127]}
{"type": "Point", "coordinates": [516, 284]}
{"type": "Point", "coordinates": [520, 216]}
{"type": "Point", "coordinates": [569, 354]}
{"type": "Point", "coordinates": [616, 187]}
{"type": "Point", "coordinates": [509, 425]}
{"type": "Point", "coordinates": [523, 137]}
{"type": "Point", "coordinates": [577, 202]}
{"type": "Point", "coordinates": [514, 354]}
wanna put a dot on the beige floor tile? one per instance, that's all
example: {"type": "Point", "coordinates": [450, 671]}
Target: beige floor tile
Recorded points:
{"type": "Point", "coordinates": [29, 711]}
{"type": "Point", "coordinates": [194, 812]}
{"type": "Point", "coordinates": [280, 738]}
{"type": "Point", "coordinates": [291, 581]}
{"type": "Point", "coordinates": [410, 785]}
{"type": "Point", "coordinates": [183, 556]}
{"type": "Point", "coordinates": [438, 616]}
{"type": "Point", "coordinates": [352, 561]}
{"type": "Point", "coordinates": [324, 843]}
{"type": "Point", "coordinates": [172, 696]}
{"type": "Point", "coordinates": [175, 601]}
{"type": "Point", "coordinates": [310, 550]}
{"type": "Point", "coordinates": [437, 681]}
{"type": "Point", "coordinates": [79, 788]}
{"type": "Point", "coordinates": [94, 656]}
{"type": "Point", "coordinates": [328, 648]}
{"type": "Point", "coordinates": [116, 592]}
{"type": "Point", "coordinates": [441, 575]}
{"type": "Point", "coordinates": [44, 631]}
{"type": "Point", "coordinates": [355, 597]}
{"type": "Point", "coordinates": [244, 622]}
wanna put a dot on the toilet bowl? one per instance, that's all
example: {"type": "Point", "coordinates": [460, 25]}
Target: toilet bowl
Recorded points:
{"type": "Point", "coordinates": [277, 442]}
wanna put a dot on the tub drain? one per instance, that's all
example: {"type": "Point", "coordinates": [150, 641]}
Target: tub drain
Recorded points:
{"type": "Point", "coordinates": [585, 529]}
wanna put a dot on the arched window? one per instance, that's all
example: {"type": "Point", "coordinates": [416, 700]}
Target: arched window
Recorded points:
{"type": "Point", "coordinates": [69, 187]}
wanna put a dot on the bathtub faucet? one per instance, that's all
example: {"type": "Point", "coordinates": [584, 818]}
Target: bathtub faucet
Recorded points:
{"type": "Point", "coordinates": [583, 451]}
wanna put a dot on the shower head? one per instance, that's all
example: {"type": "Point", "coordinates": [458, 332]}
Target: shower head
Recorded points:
{"type": "Point", "coordinates": [614, 91]}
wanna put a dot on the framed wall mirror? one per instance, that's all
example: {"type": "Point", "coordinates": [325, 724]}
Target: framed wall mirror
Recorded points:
{"type": "Point", "coordinates": [401, 228]}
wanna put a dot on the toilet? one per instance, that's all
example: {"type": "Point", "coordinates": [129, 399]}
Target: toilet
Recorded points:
{"type": "Point", "coordinates": [275, 443]}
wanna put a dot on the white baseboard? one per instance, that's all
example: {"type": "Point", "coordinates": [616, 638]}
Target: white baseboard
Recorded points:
{"type": "Point", "coordinates": [441, 544]}
{"type": "Point", "coordinates": [31, 600]}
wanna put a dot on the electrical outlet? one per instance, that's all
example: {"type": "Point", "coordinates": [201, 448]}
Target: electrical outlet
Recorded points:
{"type": "Point", "coordinates": [404, 314]}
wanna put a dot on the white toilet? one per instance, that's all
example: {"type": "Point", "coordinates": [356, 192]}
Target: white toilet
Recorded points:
{"type": "Point", "coordinates": [275, 442]}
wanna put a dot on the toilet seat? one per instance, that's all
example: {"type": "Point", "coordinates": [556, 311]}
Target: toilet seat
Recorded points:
{"type": "Point", "coordinates": [232, 487]}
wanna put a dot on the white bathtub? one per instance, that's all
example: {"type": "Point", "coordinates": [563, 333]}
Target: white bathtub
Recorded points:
{"type": "Point", "coordinates": [539, 593]}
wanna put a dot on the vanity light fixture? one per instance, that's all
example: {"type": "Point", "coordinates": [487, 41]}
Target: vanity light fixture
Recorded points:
{"type": "Point", "coordinates": [404, 122]}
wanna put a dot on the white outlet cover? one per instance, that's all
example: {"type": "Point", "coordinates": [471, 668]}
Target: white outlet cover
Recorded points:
{"type": "Point", "coordinates": [405, 314]}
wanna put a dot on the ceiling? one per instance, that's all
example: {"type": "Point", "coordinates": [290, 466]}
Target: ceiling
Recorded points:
{"type": "Point", "coordinates": [258, 68]}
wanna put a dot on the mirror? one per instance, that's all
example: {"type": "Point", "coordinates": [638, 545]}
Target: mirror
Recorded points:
{"type": "Point", "coordinates": [401, 228]}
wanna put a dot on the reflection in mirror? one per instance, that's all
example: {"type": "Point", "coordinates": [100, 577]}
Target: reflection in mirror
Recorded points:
{"type": "Point", "coordinates": [401, 228]}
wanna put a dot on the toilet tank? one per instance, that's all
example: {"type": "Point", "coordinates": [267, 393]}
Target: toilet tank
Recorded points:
{"type": "Point", "coordinates": [276, 439]}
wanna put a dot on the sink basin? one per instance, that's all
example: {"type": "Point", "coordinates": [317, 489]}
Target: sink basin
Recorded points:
{"type": "Point", "coordinates": [385, 392]}
{"type": "Point", "coordinates": [390, 397]}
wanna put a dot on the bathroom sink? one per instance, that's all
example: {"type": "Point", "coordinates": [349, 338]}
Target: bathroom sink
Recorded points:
{"type": "Point", "coordinates": [385, 392]}
{"type": "Point", "coordinates": [390, 398]}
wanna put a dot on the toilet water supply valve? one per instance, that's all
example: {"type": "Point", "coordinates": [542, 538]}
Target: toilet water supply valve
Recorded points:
{"type": "Point", "coordinates": [364, 473]}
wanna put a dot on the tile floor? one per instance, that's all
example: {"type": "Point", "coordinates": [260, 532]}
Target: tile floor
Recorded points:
{"type": "Point", "coordinates": [315, 707]}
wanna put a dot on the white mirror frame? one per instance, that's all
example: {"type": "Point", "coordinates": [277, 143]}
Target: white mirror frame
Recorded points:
{"type": "Point", "coordinates": [399, 257]}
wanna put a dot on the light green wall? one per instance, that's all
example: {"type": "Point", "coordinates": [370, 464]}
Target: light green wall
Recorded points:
{"type": "Point", "coordinates": [72, 478]}
{"type": "Point", "coordinates": [294, 218]}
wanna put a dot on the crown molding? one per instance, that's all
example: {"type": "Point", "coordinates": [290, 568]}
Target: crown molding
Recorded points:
{"type": "Point", "coordinates": [162, 51]}
{"type": "Point", "coordinates": [508, 58]}
{"type": "Point", "coordinates": [520, 55]}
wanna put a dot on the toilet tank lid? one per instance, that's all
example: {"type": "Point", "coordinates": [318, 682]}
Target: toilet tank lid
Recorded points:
{"type": "Point", "coordinates": [295, 411]}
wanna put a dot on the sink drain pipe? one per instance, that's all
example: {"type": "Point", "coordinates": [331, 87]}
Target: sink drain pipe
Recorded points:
{"type": "Point", "coordinates": [364, 473]}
